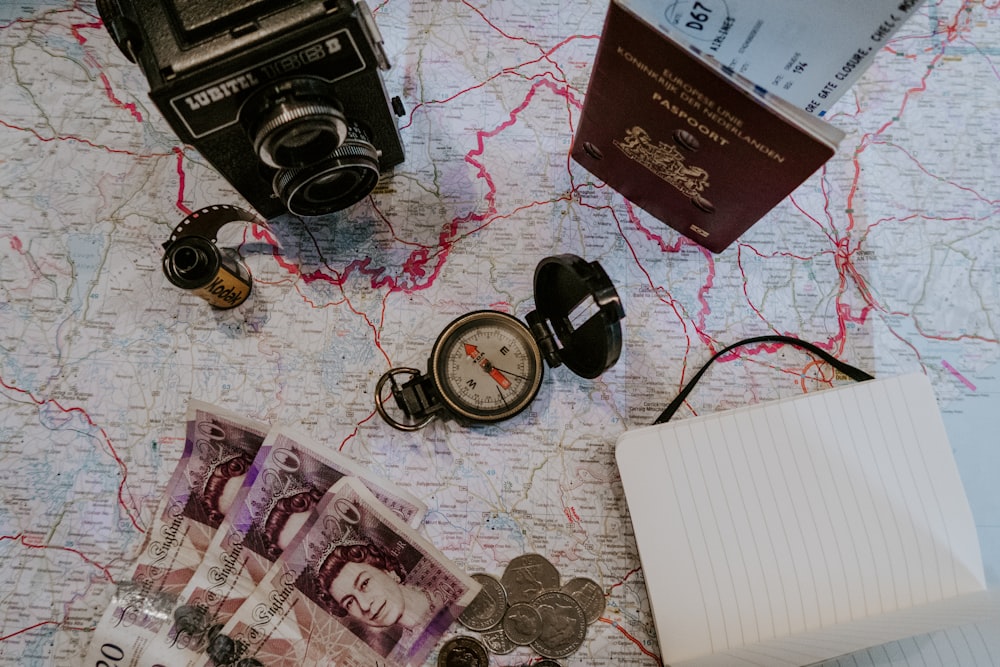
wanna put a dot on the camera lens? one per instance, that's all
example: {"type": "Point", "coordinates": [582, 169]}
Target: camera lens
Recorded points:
{"type": "Point", "coordinates": [344, 177]}
{"type": "Point", "coordinates": [296, 135]}
{"type": "Point", "coordinates": [294, 123]}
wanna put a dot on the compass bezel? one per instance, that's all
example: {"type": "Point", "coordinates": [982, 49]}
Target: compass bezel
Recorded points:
{"type": "Point", "coordinates": [454, 402]}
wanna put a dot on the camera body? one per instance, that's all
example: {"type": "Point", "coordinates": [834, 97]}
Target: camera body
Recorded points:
{"type": "Point", "coordinates": [284, 98]}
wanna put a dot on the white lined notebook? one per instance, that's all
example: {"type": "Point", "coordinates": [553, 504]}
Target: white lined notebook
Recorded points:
{"type": "Point", "coordinates": [798, 530]}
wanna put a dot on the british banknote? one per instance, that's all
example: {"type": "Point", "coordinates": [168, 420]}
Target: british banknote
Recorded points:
{"type": "Point", "coordinates": [219, 448]}
{"type": "Point", "coordinates": [359, 587]}
{"type": "Point", "coordinates": [285, 483]}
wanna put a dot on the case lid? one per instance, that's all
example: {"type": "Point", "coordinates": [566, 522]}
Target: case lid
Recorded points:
{"type": "Point", "coordinates": [583, 307]}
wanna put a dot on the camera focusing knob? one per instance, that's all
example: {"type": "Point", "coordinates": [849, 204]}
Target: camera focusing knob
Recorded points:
{"type": "Point", "coordinates": [397, 107]}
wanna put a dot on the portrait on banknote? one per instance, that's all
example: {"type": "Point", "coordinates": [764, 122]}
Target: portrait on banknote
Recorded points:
{"type": "Point", "coordinates": [280, 504]}
{"type": "Point", "coordinates": [223, 453]}
{"type": "Point", "coordinates": [370, 578]}
{"type": "Point", "coordinates": [360, 584]}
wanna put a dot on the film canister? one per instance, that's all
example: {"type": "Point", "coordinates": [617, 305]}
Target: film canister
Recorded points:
{"type": "Point", "coordinates": [194, 262]}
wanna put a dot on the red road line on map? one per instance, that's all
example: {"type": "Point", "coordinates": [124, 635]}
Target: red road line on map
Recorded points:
{"type": "Point", "coordinates": [85, 142]}
{"type": "Point", "coordinates": [679, 244]}
{"type": "Point", "coordinates": [127, 106]}
{"type": "Point", "coordinates": [809, 216]}
{"type": "Point", "coordinates": [378, 330]}
{"type": "Point", "coordinates": [545, 54]}
{"type": "Point", "coordinates": [739, 263]}
{"type": "Point", "coordinates": [843, 257]}
{"type": "Point", "coordinates": [338, 281]}
{"type": "Point", "coordinates": [481, 136]}
{"type": "Point", "coordinates": [961, 378]}
{"type": "Point", "coordinates": [107, 441]}
{"type": "Point", "coordinates": [76, 27]}
{"type": "Point", "coordinates": [512, 70]}
{"type": "Point", "coordinates": [771, 348]}
{"type": "Point", "coordinates": [631, 638]}
{"type": "Point", "coordinates": [357, 427]}
{"type": "Point", "coordinates": [181, 180]}
{"type": "Point", "coordinates": [952, 338]}
{"type": "Point", "coordinates": [20, 537]}
{"type": "Point", "coordinates": [628, 575]}
{"type": "Point", "coordinates": [22, 20]}
{"type": "Point", "coordinates": [498, 29]}
{"type": "Point", "coordinates": [845, 266]}
{"type": "Point", "coordinates": [28, 629]}
{"type": "Point", "coordinates": [920, 166]}
{"type": "Point", "coordinates": [819, 365]}
{"type": "Point", "coordinates": [388, 223]}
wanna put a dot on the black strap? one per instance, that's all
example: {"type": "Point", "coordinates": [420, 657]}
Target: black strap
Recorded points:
{"type": "Point", "coordinates": [846, 369]}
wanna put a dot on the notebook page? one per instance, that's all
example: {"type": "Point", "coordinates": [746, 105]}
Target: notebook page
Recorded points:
{"type": "Point", "coordinates": [973, 644]}
{"type": "Point", "coordinates": [963, 612]}
{"type": "Point", "coordinates": [778, 519]}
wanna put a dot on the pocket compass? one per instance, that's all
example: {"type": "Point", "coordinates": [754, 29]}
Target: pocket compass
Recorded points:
{"type": "Point", "coordinates": [487, 366]}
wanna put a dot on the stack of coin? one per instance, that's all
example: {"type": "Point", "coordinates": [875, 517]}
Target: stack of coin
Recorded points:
{"type": "Point", "coordinates": [527, 606]}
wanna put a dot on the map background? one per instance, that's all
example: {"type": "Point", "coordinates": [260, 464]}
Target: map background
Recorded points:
{"type": "Point", "coordinates": [889, 257]}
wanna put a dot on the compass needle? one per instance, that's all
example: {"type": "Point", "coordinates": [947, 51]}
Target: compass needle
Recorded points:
{"type": "Point", "coordinates": [510, 373]}
{"type": "Point", "coordinates": [499, 377]}
{"type": "Point", "coordinates": [483, 361]}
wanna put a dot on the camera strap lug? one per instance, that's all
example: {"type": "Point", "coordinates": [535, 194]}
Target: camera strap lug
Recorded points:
{"type": "Point", "coordinates": [374, 34]}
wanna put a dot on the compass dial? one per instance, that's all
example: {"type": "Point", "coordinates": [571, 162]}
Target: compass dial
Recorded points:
{"type": "Point", "coordinates": [486, 366]}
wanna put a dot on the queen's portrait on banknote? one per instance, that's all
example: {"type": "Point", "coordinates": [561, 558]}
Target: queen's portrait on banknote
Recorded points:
{"type": "Point", "coordinates": [359, 585]}
{"type": "Point", "coordinates": [225, 461]}
{"type": "Point", "coordinates": [367, 575]}
{"type": "Point", "coordinates": [283, 515]}
{"type": "Point", "coordinates": [359, 580]}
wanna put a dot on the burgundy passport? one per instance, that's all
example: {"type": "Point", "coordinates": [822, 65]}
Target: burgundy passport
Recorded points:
{"type": "Point", "coordinates": [696, 146]}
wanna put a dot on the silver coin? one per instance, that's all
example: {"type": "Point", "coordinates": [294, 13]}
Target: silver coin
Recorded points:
{"type": "Point", "coordinates": [588, 594]}
{"type": "Point", "coordinates": [497, 642]}
{"type": "Point", "coordinates": [564, 625]}
{"type": "Point", "coordinates": [487, 608]}
{"type": "Point", "coordinates": [528, 576]}
{"type": "Point", "coordinates": [463, 652]}
{"type": "Point", "coordinates": [522, 623]}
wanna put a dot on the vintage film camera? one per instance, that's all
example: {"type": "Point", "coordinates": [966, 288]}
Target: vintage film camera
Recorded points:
{"type": "Point", "coordinates": [283, 97]}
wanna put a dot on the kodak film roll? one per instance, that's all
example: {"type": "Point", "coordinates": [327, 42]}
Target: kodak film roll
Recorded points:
{"type": "Point", "coordinates": [193, 261]}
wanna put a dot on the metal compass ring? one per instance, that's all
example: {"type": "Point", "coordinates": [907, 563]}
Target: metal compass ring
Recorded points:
{"type": "Point", "coordinates": [380, 407]}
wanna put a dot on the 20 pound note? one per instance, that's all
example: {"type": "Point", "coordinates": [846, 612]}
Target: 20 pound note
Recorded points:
{"type": "Point", "coordinates": [287, 481]}
{"type": "Point", "coordinates": [359, 587]}
{"type": "Point", "coordinates": [219, 448]}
